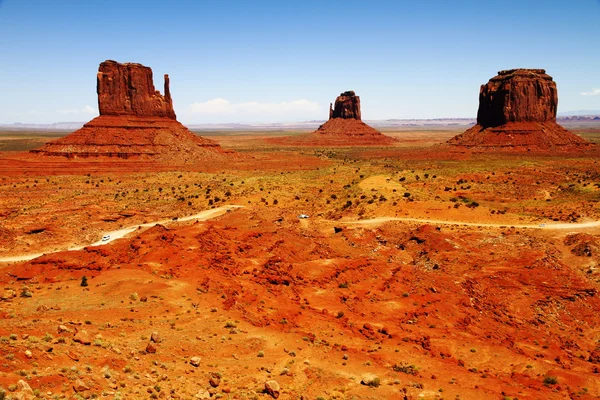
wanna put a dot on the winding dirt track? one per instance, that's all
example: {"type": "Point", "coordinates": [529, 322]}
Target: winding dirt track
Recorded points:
{"type": "Point", "coordinates": [215, 212]}
{"type": "Point", "coordinates": [551, 226]}
{"type": "Point", "coordinates": [118, 234]}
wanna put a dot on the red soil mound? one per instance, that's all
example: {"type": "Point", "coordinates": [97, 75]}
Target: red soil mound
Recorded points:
{"type": "Point", "coordinates": [131, 136]}
{"type": "Point", "coordinates": [520, 136]}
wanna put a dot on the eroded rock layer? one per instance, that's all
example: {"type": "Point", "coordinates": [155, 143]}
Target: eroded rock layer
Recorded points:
{"type": "Point", "coordinates": [128, 89]}
{"type": "Point", "coordinates": [517, 111]}
{"type": "Point", "coordinates": [135, 121]}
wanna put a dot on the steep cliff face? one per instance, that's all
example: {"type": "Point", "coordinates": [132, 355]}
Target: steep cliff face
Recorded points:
{"type": "Point", "coordinates": [347, 106]}
{"type": "Point", "coordinates": [517, 111]}
{"type": "Point", "coordinates": [128, 89]}
{"type": "Point", "coordinates": [135, 121]}
{"type": "Point", "coordinates": [518, 95]}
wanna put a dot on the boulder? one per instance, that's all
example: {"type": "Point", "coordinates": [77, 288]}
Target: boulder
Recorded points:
{"type": "Point", "coordinates": [82, 337]}
{"type": "Point", "coordinates": [272, 388]}
{"type": "Point", "coordinates": [150, 348]}
{"type": "Point", "coordinates": [195, 361]}
{"type": "Point", "coordinates": [80, 386]}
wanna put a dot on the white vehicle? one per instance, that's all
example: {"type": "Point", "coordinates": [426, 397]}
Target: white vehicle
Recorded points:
{"type": "Point", "coordinates": [105, 238]}
{"type": "Point", "coordinates": [302, 216]}
{"type": "Point", "coordinates": [542, 225]}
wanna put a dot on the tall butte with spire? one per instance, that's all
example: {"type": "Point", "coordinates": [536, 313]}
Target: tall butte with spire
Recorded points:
{"type": "Point", "coordinates": [135, 121]}
{"type": "Point", "coordinates": [517, 111]}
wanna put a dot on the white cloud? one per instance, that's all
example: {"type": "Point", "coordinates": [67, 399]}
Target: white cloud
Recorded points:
{"type": "Point", "coordinates": [594, 92]}
{"type": "Point", "coordinates": [222, 106]}
{"type": "Point", "coordinates": [85, 110]}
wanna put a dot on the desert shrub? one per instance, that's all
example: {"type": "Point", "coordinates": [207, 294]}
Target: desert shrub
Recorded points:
{"type": "Point", "coordinates": [406, 368]}
{"type": "Point", "coordinates": [550, 380]}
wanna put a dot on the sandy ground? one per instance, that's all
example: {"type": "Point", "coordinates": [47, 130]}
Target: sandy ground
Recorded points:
{"type": "Point", "coordinates": [418, 275]}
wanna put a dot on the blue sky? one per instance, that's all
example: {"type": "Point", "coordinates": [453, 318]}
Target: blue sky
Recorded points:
{"type": "Point", "coordinates": [277, 61]}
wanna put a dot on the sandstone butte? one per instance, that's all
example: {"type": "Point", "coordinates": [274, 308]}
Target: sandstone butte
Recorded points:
{"type": "Point", "coordinates": [517, 111]}
{"type": "Point", "coordinates": [344, 127]}
{"type": "Point", "coordinates": [135, 121]}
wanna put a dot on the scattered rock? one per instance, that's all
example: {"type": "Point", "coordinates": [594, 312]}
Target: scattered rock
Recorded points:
{"type": "Point", "coordinates": [82, 337]}
{"type": "Point", "coordinates": [63, 329]}
{"type": "Point", "coordinates": [595, 356]}
{"type": "Point", "coordinates": [24, 391]}
{"type": "Point", "coordinates": [150, 348]}
{"type": "Point", "coordinates": [28, 354]}
{"type": "Point", "coordinates": [214, 381]}
{"type": "Point", "coordinates": [370, 380]}
{"type": "Point", "coordinates": [203, 394]}
{"type": "Point", "coordinates": [272, 388]}
{"type": "Point", "coordinates": [72, 355]}
{"type": "Point", "coordinates": [195, 361]}
{"type": "Point", "coordinates": [155, 337]}
{"type": "Point", "coordinates": [9, 294]}
{"type": "Point", "coordinates": [42, 307]}
{"type": "Point", "coordinates": [80, 386]}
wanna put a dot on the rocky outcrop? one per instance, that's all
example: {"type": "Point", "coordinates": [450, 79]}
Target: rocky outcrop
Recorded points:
{"type": "Point", "coordinates": [517, 95]}
{"type": "Point", "coordinates": [347, 106]}
{"type": "Point", "coordinates": [344, 128]}
{"type": "Point", "coordinates": [517, 111]}
{"type": "Point", "coordinates": [128, 89]}
{"type": "Point", "coordinates": [135, 121]}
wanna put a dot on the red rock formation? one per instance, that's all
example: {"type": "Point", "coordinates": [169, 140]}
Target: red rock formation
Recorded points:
{"type": "Point", "coordinates": [347, 106]}
{"type": "Point", "coordinates": [128, 89]}
{"type": "Point", "coordinates": [135, 120]}
{"type": "Point", "coordinates": [344, 127]}
{"type": "Point", "coordinates": [517, 111]}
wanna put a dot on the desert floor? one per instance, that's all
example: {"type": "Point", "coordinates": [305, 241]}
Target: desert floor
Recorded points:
{"type": "Point", "coordinates": [421, 272]}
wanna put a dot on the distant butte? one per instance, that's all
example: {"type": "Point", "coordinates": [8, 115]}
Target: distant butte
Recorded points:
{"type": "Point", "coordinates": [135, 121]}
{"type": "Point", "coordinates": [517, 111]}
{"type": "Point", "coordinates": [345, 124]}
{"type": "Point", "coordinates": [344, 127]}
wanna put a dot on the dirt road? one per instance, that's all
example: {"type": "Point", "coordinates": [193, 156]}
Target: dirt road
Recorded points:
{"type": "Point", "coordinates": [118, 234]}
{"type": "Point", "coordinates": [549, 226]}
